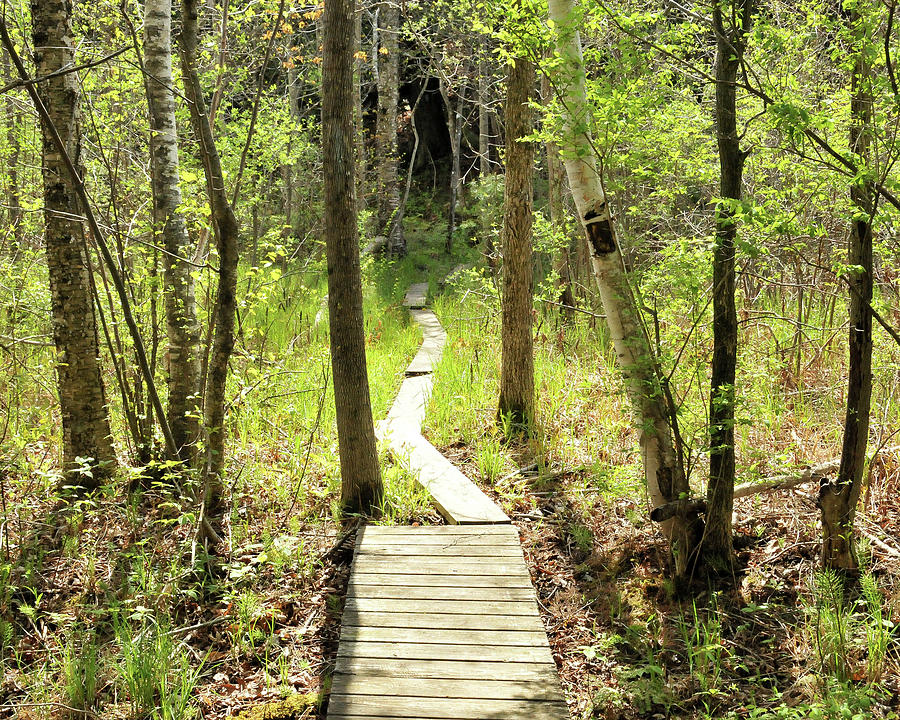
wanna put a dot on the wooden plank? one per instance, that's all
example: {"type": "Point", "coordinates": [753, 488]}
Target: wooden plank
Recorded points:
{"type": "Point", "coordinates": [503, 638]}
{"type": "Point", "coordinates": [446, 607]}
{"type": "Point", "coordinates": [439, 530]}
{"type": "Point", "coordinates": [455, 496]}
{"type": "Point", "coordinates": [454, 550]}
{"type": "Point", "coordinates": [446, 688]}
{"type": "Point", "coordinates": [356, 589]}
{"type": "Point", "coordinates": [437, 566]}
{"type": "Point", "coordinates": [443, 621]}
{"type": "Point", "coordinates": [453, 561]}
{"type": "Point", "coordinates": [433, 340]}
{"type": "Point", "coordinates": [440, 651]}
{"type": "Point", "coordinates": [426, 541]}
{"type": "Point", "coordinates": [399, 707]}
{"type": "Point", "coordinates": [416, 295]}
{"type": "Point", "coordinates": [408, 411]}
{"type": "Point", "coordinates": [367, 577]}
{"type": "Point", "coordinates": [459, 669]}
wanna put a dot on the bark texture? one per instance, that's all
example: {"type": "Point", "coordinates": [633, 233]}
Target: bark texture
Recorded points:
{"type": "Point", "coordinates": [12, 165]}
{"type": "Point", "coordinates": [663, 468]}
{"type": "Point", "coordinates": [386, 126]}
{"type": "Point", "coordinates": [484, 120]}
{"type": "Point", "coordinates": [838, 498]}
{"type": "Point", "coordinates": [517, 369]}
{"type": "Point", "coordinates": [455, 127]}
{"type": "Point", "coordinates": [226, 231]}
{"type": "Point", "coordinates": [359, 67]}
{"type": "Point", "coordinates": [717, 538]}
{"type": "Point", "coordinates": [182, 326]}
{"type": "Point", "coordinates": [559, 212]}
{"type": "Point", "coordinates": [82, 397]}
{"type": "Point", "coordinates": [361, 488]}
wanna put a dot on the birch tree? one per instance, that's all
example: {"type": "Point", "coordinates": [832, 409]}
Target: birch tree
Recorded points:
{"type": "Point", "coordinates": [182, 326]}
{"type": "Point", "coordinates": [667, 484]}
{"type": "Point", "coordinates": [82, 397]}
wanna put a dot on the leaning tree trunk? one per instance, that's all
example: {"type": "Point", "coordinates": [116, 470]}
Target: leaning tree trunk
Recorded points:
{"type": "Point", "coordinates": [82, 397]}
{"type": "Point", "coordinates": [361, 488]}
{"type": "Point", "coordinates": [663, 467]}
{"type": "Point", "coordinates": [717, 538]}
{"type": "Point", "coordinates": [386, 126]}
{"type": "Point", "coordinates": [838, 498]}
{"type": "Point", "coordinates": [226, 231]}
{"type": "Point", "coordinates": [181, 306]}
{"type": "Point", "coordinates": [517, 368]}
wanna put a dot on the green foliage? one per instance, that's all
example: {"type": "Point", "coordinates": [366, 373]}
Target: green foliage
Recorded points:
{"type": "Point", "coordinates": [158, 675]}
{"type": "Point", "coordinates": [703, 642]}
{"type": "Point", "coordinates": [877, 628]}
{"type": "Point", "coordinates": [81, 672]}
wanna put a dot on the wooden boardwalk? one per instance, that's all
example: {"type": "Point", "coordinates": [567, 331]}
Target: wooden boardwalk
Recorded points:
{"type": "Point", "coordinates": [456, 497]}
{"type": "Point", "coordinates": [442, 622]}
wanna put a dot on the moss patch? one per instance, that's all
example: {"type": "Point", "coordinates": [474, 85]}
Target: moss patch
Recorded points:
{"type": "Point", "coordinates": [288, 709]}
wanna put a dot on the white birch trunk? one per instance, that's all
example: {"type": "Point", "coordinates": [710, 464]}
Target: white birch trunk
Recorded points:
{"type": "Point", "coordinates": [663, 472]}
{"type": "Point", "coordinates": [181, 308]}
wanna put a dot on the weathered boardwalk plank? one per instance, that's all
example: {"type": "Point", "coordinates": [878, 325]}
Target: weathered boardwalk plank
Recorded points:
{"type": "Point", "coordinates": [429, 631]}
{"type": "Point", "coordinates": [457, 498]}
{"type": "Point", "coordinates": [453, 669]}
{"type": "Point", "coordinates": [441, 621]}
{"type": "Point", "coordinates": [417, 295]}
{"type": "Point", "coordinates": [370, 706]}
{"type": "Point", "coordinates": [433, 339]}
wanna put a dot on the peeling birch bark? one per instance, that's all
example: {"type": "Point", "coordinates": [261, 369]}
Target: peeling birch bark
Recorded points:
{"type": "Point", "coordinates": [664, 473]}
{"type": "Point", "coordinates": [82, 396]}
{"type": "Point", "coordinates": [182, 325]}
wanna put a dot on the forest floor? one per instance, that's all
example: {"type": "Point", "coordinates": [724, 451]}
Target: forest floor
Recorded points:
{"type": "Point", "coordinates": [103, 599]}
{"type": "Point", "coordinates": [627, 648]}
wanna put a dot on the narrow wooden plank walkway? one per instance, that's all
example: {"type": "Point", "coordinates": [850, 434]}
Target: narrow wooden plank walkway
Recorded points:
{"type": "Point", "coordinates": [456, 497]}
{"type": "Point", "coordinates": [442, 622]}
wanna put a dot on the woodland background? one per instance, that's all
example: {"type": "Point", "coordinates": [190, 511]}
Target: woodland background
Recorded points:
{"type": "Point", "coordinates": [205, 578]}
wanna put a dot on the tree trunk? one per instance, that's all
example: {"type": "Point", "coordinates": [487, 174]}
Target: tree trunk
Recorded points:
{"type": "Point", "coordinates": [838, 499]}
{"type": "Point", "coordinates": [455, 127]}
{"type": "Point", "coordinates": [13, 121]}
{"type": "Point", "coordinates": [183, 328]}
{"type": "Point", "coordinates": [359, 66]}
{"type": "Point", "coordinates": [361, 488]}
{"type": "Point", "coordinates": [663, 465]}
{"type": "Point", "coordinates": [226, 231]}
{"type": "Point", "coordinates": [82, 397]}
{"type": "Point", "coordinates": [484, 121]}
{"type": "Point", "coordinates": [386, 126]}
{"type": "Point", "coordinates": [517, 369]}
{"type": "Point", "coordinates": [717, 538]}
{"type": "Point", "coordinates": [556, 188]}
